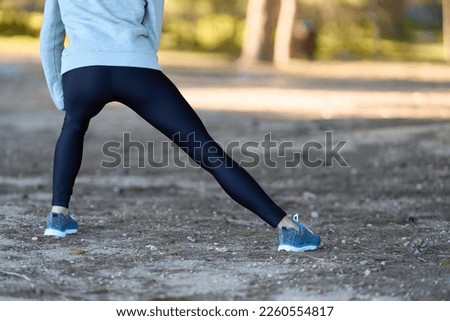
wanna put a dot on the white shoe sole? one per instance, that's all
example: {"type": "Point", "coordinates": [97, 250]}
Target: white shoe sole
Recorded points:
{"type": "Point", "coordinates": [52, 232]}
{"type": "Point", "coordinates": [290, 248]}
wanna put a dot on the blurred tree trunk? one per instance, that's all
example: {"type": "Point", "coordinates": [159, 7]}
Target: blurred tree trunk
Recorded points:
{"type": "Point", "coordinates": [254, 31]}
{"type": "Point", "coordinates": [264, 18]}
{"type": "Point", "coordinates": [398, 9]}
{"type": "Point", "coordinates": [446, 27]}
{"type": "Point", "coordinates": [283, 36]}
{"type": "Point", "coordinates": [375, 18]}
{"type": "Point", "coordinates": [272, 12]}
{"type": "Point", "coordinates": [390, 17]}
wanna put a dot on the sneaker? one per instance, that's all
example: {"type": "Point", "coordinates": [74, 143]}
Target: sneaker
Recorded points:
{"type": "Point", "coordinates": [60, 225]}
{"type": "Point", "coordinates": [72, 225]}
{"type": "Point", "coordinates": [292, 240]}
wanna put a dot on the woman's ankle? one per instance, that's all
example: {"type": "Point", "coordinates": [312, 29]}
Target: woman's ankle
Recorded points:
{"type": "Point", "coordinates": [287, 222]}
{"type": "Point", "coordinates": [59, 209]}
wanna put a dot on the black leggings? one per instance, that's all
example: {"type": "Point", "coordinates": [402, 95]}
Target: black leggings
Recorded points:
{"type": "Point", "coordinates": [156, 99]}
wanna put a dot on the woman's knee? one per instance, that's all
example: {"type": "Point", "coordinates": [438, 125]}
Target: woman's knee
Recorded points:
{"type": "Point", "coordinates": [76, 123]}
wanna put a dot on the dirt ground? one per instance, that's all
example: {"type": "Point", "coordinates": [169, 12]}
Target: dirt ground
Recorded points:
{"type": "Point", "coordinates": [173, 234]}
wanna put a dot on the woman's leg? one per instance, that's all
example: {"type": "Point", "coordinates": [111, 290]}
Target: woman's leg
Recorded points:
{"type": "Point", "coordinates": [156, 99]}
{"type": "Point", "coordinates": [86, 91]}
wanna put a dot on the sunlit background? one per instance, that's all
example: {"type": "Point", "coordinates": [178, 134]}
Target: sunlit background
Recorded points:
{"type": "Point", "coordinates": [409, 30]}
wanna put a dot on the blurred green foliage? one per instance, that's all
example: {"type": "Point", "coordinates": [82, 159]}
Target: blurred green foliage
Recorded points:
{"type": "Point", "coordinates": [376, 29]}
{"type": "Point", "coordinates": [345, 29]}
{"type": "Point", "coordinates": [204, 25]}
{"type": "Point", "coordinates": [22, 23]}
{"type": "Point", "coordinates": [20, 17]}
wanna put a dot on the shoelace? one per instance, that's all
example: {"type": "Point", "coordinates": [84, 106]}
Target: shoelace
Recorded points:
{"type": "Point", "coordinates": [300, 225]}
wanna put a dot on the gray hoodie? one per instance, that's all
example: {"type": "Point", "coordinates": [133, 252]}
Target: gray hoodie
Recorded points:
{"type": "Point", "coordinates": [99, 32]}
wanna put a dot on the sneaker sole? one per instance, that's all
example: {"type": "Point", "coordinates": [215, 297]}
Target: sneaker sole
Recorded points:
{"type": "Point", "coordinates": [290, 248]}
{"type": "Point", "coordinates": [71, 231]}
{"type": "Point", "coordinates": [52, 232]}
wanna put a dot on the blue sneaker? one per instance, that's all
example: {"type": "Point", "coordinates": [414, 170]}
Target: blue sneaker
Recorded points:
{"type": "Point", "coordinates": [291, 240]}
{"type": "Point", "coordinates": [60, 225]}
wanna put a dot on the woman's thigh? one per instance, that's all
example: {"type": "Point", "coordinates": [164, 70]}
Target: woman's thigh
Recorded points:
{"type": "Point", "coordinates": [156, 99]}
{"type": "Point", "coordinates": [86, 91]}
